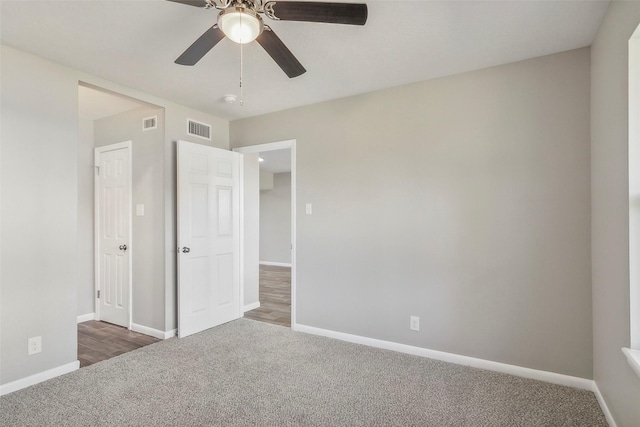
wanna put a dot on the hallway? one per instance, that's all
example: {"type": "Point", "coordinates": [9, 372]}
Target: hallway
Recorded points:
{"type": "Point", "coordinates": [275, 296]}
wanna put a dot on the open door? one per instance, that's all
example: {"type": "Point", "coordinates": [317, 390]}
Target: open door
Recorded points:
{"type": "Point", "coordinates": [208, 237]}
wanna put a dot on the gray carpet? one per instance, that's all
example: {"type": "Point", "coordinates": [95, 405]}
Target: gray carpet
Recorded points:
{"type": "Point", "coordinates": [247, 373]}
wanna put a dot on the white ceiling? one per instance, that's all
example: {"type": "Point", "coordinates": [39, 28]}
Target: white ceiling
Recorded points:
{"type": "Point", "coordinates": [134, 43]}
{"type": "Point", "coordinates": [95, 104]}
{"type": "Point", "coordinates": [276, 161]}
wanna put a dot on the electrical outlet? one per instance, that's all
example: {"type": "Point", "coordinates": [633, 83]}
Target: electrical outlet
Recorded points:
{"type": "Point", "coordinates": [35, 345]}
{"type": "Point", "coordinates": [414, 323]}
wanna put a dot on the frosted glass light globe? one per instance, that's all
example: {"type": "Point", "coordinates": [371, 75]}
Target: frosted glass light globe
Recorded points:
{"type": "Point", "coordinates": [240, 25]}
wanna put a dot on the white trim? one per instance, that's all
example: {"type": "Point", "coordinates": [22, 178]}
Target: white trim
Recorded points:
{"type": "Point", "coordinates": [156, 333]}
{"type": "Point", "coordinates": [38, 378]}
{"type": "Point", "coordinates": [633, 357]}
{"type": "Point", "coordinates": [603, 405]}
{"type": "Point", "coordinates": [96, 227]}
{"type": "Point", "coordinates": [251, 306]}
{"type": "Point", "coordinates": [275, 264]}
{"type": "Point", "coordinates": [86, 317]}
{"type": "Point", "coordinates": [241, 308]}
{"type": "Point", "coordinates": [634, 190]}
{"type": "Point", "coordinates": [281, 145]}
{"type": "Point", "coordinates": [535, 374]}
{"type": "Point", "coordinates": [294, 236]}
{"type": "Point", "coordinates": [290, 144]}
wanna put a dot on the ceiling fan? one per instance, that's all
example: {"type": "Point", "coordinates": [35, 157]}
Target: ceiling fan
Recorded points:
{"type": "Point", "coordinates": [240, 21]}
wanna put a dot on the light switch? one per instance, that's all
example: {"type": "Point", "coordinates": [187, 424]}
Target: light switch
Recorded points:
{"type": "Point", "coordinates": [139, 210]}
{"type": "Point", "coordinates": [307, 209]}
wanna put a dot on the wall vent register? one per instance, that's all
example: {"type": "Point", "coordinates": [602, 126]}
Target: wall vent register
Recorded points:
{"type": "Point", "coordinates": [149, 123]}
{"type": "Point", "coordinates": [201, 130]}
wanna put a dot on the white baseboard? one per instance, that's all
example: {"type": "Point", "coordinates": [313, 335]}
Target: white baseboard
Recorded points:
{"type": "Point", "coordinates": [38, 378]}
{"type": "Point", "coordinates": [156, 333]}
{"type": "Point", "coordinates": [276, 264]}
{"type": "Point", "coordinates": [603, 405]}
{"type": "Point", "coordinates": [550, 377]}
{"type": "Point", "coordinates": [86, 317]}
{"type": "Point", "coordinates": [251, 306]}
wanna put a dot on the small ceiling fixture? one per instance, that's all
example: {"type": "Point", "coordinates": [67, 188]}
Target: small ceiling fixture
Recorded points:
{"type": "Point", "coordinates": [240, 24]}
{"type": "Point", "coordinates": [260, 159]}
{"type": "Point", "coordinates": [230, 98]}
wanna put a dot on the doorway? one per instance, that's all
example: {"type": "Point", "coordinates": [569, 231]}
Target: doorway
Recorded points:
{"type": "Point", "coordinates": [275, 296]}
{"type": "Point", "coordinates": [107, 118]}
{"type": "Point", "coordinates": [270, 232]}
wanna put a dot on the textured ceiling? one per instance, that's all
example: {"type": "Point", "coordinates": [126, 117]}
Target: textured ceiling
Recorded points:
{"type": "Point", "coordinates": [134, 43]}
{"type": "Point", "coordinates": [95, 104]}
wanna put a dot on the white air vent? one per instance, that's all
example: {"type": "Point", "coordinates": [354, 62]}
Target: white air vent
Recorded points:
{"type": "Point", "coordinates": [201, 130]}
{"type": "Point", "coordinates": [149, 123]}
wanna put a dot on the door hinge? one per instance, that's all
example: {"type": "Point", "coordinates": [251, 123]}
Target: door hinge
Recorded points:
{"type": "Point", "coordinates": [97, 168]}
{"type": "Point", "coordinates": [98, 294]}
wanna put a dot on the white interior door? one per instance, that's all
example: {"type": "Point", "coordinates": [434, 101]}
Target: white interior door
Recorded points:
{"type": "Point", "coordinates": [113, 233]}
{"type": "Point", "coordinates": [208, 237]}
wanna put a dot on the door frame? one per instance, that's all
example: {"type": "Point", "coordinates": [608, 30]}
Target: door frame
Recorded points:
{"type": "Point", "coordinates": [96, 224]}
{"type": "Point", "coordinates": [290, 144]}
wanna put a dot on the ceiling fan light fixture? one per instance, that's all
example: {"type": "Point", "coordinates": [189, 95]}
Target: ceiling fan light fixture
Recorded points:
{"type": "Point", "coordinates": [239, 24]}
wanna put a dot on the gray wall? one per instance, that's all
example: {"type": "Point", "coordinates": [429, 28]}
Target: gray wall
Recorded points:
{"type": "Point", "coordinates": [154, 178]}
{"type": "Point", "coordinates": [38, 272]}
{"type": "Point", "coordinates": [148, 259]}
{"type": "Point", "coordinates": [618, 384]}
{"type": "Point", "coordinates": [41, 246]}
{"type": "Point", "coordinates": [462, 200]}
{"type": "Point", "coordinates": [85, 264]}
{"type": "Point", "coordinates": [275, 220]}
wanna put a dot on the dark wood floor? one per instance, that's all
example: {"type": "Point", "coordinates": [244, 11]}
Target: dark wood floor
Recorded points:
{"type": "Point", "coordinates": [275, 296]}
{"type": "Point", "coordinates": [98, 341]}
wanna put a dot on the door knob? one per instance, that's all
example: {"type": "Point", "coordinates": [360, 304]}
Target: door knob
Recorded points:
{"type": "Point", "coordinates": [123, 247]}
{"type": "Point", "coordinates": [186, 250]}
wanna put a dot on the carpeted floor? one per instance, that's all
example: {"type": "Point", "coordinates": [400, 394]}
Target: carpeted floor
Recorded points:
{"type": "Point", "coordinates": [247, 373]}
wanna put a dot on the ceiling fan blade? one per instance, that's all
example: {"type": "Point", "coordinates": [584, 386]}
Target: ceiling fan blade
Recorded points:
{"type": "Point", "coordinates": [280, 53]}
{"type": "Point", "coordinates": [196, 3]}
{"type": "Point", "coordinates": [200, 47]}
{"type": "Point", "coordinates": [333, 13]}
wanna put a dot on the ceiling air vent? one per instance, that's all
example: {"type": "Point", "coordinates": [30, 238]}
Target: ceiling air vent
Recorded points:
{"type": "Point", "coordinates": [201, 130]}
{"type": "Point", "coordinates": [149, 123]}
